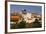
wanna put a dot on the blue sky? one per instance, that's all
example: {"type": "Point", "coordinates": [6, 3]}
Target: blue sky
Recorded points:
{"type": "Point", "coordinates": [36, 9]}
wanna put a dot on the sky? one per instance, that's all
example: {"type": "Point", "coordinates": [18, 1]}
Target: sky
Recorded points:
{"type": "Point", "coordinates": [31, 8]}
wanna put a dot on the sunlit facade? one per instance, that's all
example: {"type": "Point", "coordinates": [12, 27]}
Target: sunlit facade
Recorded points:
{"type": "Point", "coordinates": [28, 17]}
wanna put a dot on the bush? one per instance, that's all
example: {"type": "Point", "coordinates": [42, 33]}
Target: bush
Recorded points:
{"type": "Point", "coordinates": [22, 24]}
{"type": "Point", "coordinates": [36, 24]}
{"type": "Point", "coordinates": [13, 26]}
{"type": "Point", "coordinates": [18, 25]}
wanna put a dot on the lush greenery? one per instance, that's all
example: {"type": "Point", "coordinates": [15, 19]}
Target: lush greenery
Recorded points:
{"type": "Point", "coordinates": [22, 24]}
{"type": "Point", "coordinates": [36, 24]}
{"type": "Point", "coordinates": [18, 25]}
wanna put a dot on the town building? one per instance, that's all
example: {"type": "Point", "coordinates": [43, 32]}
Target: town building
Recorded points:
{"type": "Point", "coordinates": [28, 17]}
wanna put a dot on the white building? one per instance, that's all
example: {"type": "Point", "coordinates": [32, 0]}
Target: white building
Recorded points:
{"type": "Point", "coordinates": [28, 17]}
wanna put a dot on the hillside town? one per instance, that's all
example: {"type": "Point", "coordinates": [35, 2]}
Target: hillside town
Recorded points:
{"type": "Point", "coordinates": [28, 17]}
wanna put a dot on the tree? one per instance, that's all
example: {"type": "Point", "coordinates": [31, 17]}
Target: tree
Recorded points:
{"type": "Point", "coordinates": [12, 26]}
{"type": "Point", "coordinates": [36, 24]}
{"type": "Point", "coordinates": [22, 24]}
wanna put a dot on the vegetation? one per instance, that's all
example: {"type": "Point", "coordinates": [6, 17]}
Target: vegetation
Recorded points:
{"type": "Point", "coordinates": [36, 24]}
{"type": "Point", "coordinates": [23, 24]}
{"type": "Point", "coordinates": [13, 26]}
{"type": "Point", "coordinates": [18, 25]}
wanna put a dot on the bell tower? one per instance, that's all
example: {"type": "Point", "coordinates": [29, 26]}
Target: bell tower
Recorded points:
{"type": "Point", "coordinates": [24, 11]}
